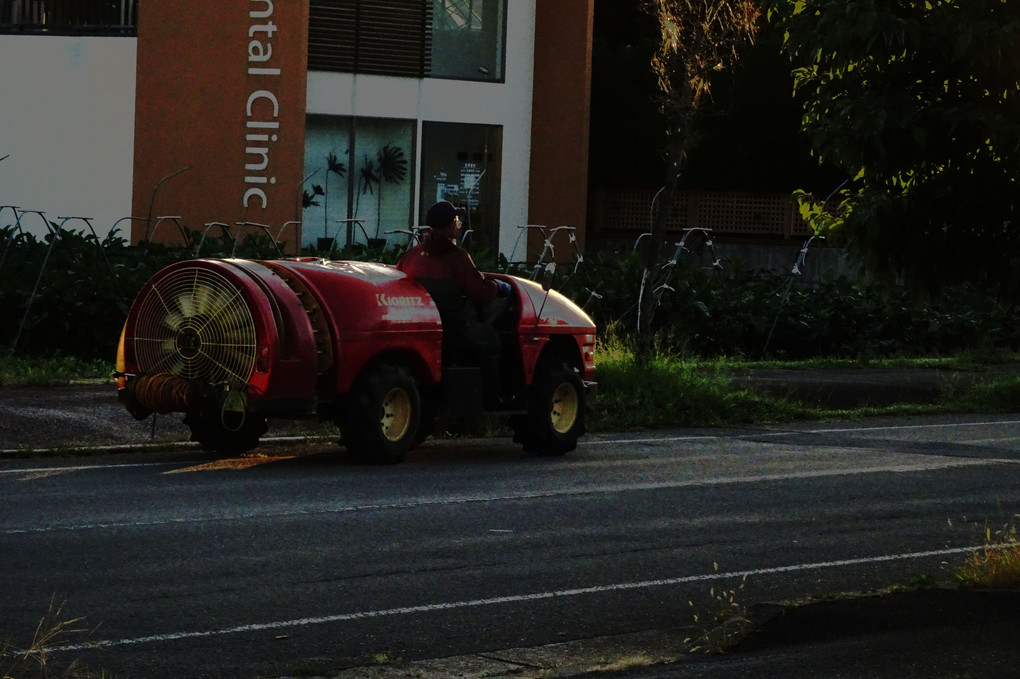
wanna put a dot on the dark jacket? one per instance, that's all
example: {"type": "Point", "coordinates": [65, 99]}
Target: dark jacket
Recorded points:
{"type": "Point", "coordinates": [438, 259]}
{"type": "Point", "coordinates": [457, 287]}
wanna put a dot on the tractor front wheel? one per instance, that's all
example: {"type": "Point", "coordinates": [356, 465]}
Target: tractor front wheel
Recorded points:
{"type": "Point", "coordinates": [381, 420]}
{"type": "Point", "coordinates": [555, 418]}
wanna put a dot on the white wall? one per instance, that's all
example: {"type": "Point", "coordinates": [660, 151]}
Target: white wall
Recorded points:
{"type": "Point", "coordinates": [67, 109]}
{"type": "Point", "coordinates": [507, 104]}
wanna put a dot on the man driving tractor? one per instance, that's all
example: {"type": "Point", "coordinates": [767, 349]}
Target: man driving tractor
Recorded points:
{"type": "Point", "coordinates": [458, 288]}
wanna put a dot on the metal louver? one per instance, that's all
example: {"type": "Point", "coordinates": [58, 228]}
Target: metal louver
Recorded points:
{"type": "Point", "coordinates": [378, 37]}
{"type": "Point", "coordinates": [194, 323]}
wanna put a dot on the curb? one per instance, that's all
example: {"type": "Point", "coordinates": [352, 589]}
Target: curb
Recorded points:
{"type": "Point", "coordinates": [635, 650]}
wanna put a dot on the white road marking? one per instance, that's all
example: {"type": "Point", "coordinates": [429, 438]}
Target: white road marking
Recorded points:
{"type": "Point", "coordinates": [511, 599]}
{"type": "Point", "coordinates": [899, 427]}
{"type": "Point", "coordinates": [655, 439]}
{"type": "Point", "coordinates": [787, 432]}
{"type": "Point", "coordinates": [604, 488]}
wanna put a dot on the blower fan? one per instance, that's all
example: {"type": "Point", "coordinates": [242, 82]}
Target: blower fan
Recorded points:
{"type": "Point", "coordinates": [195, 324]}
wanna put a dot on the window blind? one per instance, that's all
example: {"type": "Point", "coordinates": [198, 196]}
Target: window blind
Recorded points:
{"type": "Point", "coordinates": [379, 37]}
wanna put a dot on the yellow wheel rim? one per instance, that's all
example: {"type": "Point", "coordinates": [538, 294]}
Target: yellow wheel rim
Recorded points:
{"type": "Point", "coordinates": [396, 414]}
{"type": "Point", "coordinates": [565, 406]}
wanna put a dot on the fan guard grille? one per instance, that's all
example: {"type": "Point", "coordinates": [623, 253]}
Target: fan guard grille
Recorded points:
{"type": "Point", "coordinates": [195, 324]}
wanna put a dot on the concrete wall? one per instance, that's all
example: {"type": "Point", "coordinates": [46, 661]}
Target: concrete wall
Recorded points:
{"type": "Point", "coordinates": [67, 124]}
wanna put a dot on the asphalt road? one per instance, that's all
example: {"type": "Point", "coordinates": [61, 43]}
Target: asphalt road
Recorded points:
{"type": "Point", "coordinates": [273, 566]}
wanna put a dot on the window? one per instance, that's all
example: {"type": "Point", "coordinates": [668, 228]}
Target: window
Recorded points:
{"type": "Point", "coordinates": [360, 178]}
{"type": "Point", "coordinates": [69, 17]}
{"type": "Point", "coordinates": [461, 164]}
{"type": "Point", "coordinates": [457, 39]}
{"type": "Point", "coordinates": [468, 38]}
{"type": "Point", "coordinates": [358, 169]}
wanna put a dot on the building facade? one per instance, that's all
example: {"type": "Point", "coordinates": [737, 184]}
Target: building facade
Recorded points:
{"type": "Point", "coordinates": [319, 119]}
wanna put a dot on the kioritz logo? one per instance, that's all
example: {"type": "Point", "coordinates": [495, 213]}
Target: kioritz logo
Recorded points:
{"type": "Point", "coordinates": [383, 299]}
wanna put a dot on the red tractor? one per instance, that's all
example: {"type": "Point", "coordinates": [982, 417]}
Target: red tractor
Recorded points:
{"type": "Point", "coordinates": [231, 343]}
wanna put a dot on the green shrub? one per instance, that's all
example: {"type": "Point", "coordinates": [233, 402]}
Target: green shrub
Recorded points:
{"type": "Point", "coordinates": [84, 294]}
{"type": "Point", "coordinates": [81, 297]}
{"type": "Point", "coordinates": [752, 314]}
{"type": "Point", "coordinates": [76, 304]}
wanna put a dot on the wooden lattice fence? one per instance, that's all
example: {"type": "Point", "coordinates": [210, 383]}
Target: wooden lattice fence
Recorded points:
{"type": "Point", "coordinates": [621, 213]}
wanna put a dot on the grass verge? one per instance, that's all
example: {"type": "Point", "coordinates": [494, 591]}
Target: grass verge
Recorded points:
{"type": "Point", "coordinates": [997, 395]}
{"type": "Point", "coordinates": [49, 372]}
{"type": "Point", "coordinates": [668, 391]}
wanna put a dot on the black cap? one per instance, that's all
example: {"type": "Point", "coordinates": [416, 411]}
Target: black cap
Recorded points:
{"type": "Point", "coordinates": [440, 214]}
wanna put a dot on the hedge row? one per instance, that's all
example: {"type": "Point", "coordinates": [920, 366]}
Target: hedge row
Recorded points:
{"type": "Point", "coordinates": [83, 295]}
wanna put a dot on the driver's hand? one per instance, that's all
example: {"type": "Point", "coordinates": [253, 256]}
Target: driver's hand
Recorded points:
{"type": "Point", "coordinates": [503, 288]}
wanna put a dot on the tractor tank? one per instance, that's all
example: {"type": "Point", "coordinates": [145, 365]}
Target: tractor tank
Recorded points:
{"type": "Point", "coordinates": [269, 337]}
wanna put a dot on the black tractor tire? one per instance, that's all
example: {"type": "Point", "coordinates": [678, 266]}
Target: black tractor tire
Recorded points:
{"type": "Point", "coordinates": [233, 434]}
{"type": "Point", "coordinates": [382, 417]}
{"type": "Point", "coordinates": [556, 408]}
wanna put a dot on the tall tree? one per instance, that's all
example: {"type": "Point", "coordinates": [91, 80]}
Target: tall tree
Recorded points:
{"type": "Point", "coordinates": [698, 39]}
{"type": "Point", "coordinates": [918, 101]}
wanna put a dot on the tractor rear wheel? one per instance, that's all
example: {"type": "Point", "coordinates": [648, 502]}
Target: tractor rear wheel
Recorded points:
{"type": "Point", "coordinates": [381, 420]}
{"type": "Point", "coordinates": [555, 418]}
{"type": "Point", "coordinates": [217, 434]}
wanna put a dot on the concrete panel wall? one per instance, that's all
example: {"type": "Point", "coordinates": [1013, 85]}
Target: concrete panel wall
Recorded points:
{"type": "Point", "coordinates": [67, 126]}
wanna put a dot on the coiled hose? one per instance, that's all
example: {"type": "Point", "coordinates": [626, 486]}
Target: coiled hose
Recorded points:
{"type": "Point", "coordinates": [164, 393]}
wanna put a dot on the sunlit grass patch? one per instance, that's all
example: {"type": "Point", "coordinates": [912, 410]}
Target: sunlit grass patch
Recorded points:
{"type": "Point", "coordinates": [722, 625]}
{"type": "Point", "coordinates": [668, 391]}
{"type": "Point", "coordinates": [997, 564]}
